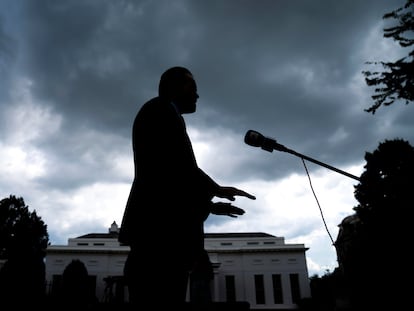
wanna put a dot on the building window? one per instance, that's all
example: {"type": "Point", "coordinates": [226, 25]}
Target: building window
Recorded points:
{"type": "Point", "coordinates": [260, 289]}
{"type": "Point", "coordinates": [277, 288]}
{"type": "Point", "coordinates": [230, 288]}
{"type": "Point", "coordinates": [294, 287]}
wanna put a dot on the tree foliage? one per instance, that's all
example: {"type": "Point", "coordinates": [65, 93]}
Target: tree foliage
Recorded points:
{"type": "Point", "coordinates": [396, 82]}
{"type": "Point", "coordinates": [23, 241]}
{"type": "Point", "coordinates": [381, 230]}
{"type": "Point", "coordinates": [21, 232]}
{"type": "Point", "coordinates": [385, 189]}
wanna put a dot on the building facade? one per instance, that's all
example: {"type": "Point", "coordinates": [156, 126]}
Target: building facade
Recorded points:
{"type": "Point", "coordinates": [253, 267]}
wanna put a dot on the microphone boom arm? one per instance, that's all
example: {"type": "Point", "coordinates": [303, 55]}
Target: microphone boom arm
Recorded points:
{"type": "Point", "coordinates": [280, 147]}
{"type": "Point", "coordinates": [256, 139]}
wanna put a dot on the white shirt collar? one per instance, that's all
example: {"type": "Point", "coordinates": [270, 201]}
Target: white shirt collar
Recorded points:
{"type": "Point", "coordinates": [175, 107]}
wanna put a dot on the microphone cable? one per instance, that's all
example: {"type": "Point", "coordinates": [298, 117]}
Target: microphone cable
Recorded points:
{"type": "Point", "coordinates": [317, 201]}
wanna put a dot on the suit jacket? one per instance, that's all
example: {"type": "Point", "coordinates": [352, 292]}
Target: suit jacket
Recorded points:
{"type": "Point", "coordinates": [170, 195]}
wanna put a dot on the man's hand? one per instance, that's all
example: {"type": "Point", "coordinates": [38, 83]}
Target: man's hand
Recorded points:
{"type": "Point", "coordinates": [230, 193]}
{"type": "Point", "coordinates": [221, 208]}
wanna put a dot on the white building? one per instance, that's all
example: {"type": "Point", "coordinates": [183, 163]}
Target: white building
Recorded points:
{"type": "Point", "coordinates": [254, 267]}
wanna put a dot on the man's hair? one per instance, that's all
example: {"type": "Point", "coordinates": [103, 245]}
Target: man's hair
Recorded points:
{"type": "Point", "coordinates": [171, 79]}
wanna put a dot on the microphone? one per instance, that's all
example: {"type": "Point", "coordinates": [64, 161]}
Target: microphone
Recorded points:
{"type": "Point", "coordinates": [255, 139]}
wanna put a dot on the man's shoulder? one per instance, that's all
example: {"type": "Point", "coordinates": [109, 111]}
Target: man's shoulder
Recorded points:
{"type": "Point", "coordinates": [155, 103]}
{"type": "Point", "coordinates": [155, 106]}
{"type": "Point", "coordinates": [153, 100]}
{"type": "Point", "coordinates": [150, 103]}
{"type": "Point", "coordinates": [154, 110]}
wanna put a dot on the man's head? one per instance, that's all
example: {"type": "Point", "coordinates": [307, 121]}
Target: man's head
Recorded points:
{"type": "Point", "coordinates": [178, 85]}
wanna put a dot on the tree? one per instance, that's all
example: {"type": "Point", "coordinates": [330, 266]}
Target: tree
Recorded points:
{"type": "Point", "coordinates": [23, 242]}
{"type": "Point", "coordinates": [385, 192]}
{"type": "Point", "coordinates": [323, 292]}
{"type": "Point", "coordinates": [396, 82]}
{"type": "Point", "coordinates": [21, 231]}
{"type": "Point", "coordinates": [374, 265]}
{"type": "Point", "coordinates": [76, 291]}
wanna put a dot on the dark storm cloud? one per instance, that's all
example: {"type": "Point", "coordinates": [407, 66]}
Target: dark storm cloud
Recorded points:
{"type": "Point", "coordinates": [84, 157]}
{"type": "Point", "coordinates": [7, 58]}
{"type": "Point", "coordinates": [284, 68]}
{"type": "Point", "coordinates": [97, 60]}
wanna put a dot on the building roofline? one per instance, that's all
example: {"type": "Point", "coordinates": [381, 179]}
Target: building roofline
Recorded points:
{"type": "Point", "coordinates": [114, 235]}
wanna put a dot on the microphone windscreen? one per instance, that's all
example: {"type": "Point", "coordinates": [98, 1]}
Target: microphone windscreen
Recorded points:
{"type": "Point", "coordinates": [253, 138]}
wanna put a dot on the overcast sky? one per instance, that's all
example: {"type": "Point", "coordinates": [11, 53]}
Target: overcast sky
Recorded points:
{"type": "Point", "coordinates": [73, 74]}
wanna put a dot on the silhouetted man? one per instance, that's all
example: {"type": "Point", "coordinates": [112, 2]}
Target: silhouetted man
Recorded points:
{"type": "Point", "coordinates": [170, 197]}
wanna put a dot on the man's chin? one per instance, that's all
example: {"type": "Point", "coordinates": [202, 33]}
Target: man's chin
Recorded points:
{"type": "Point", "coordinates": [189, 110]}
